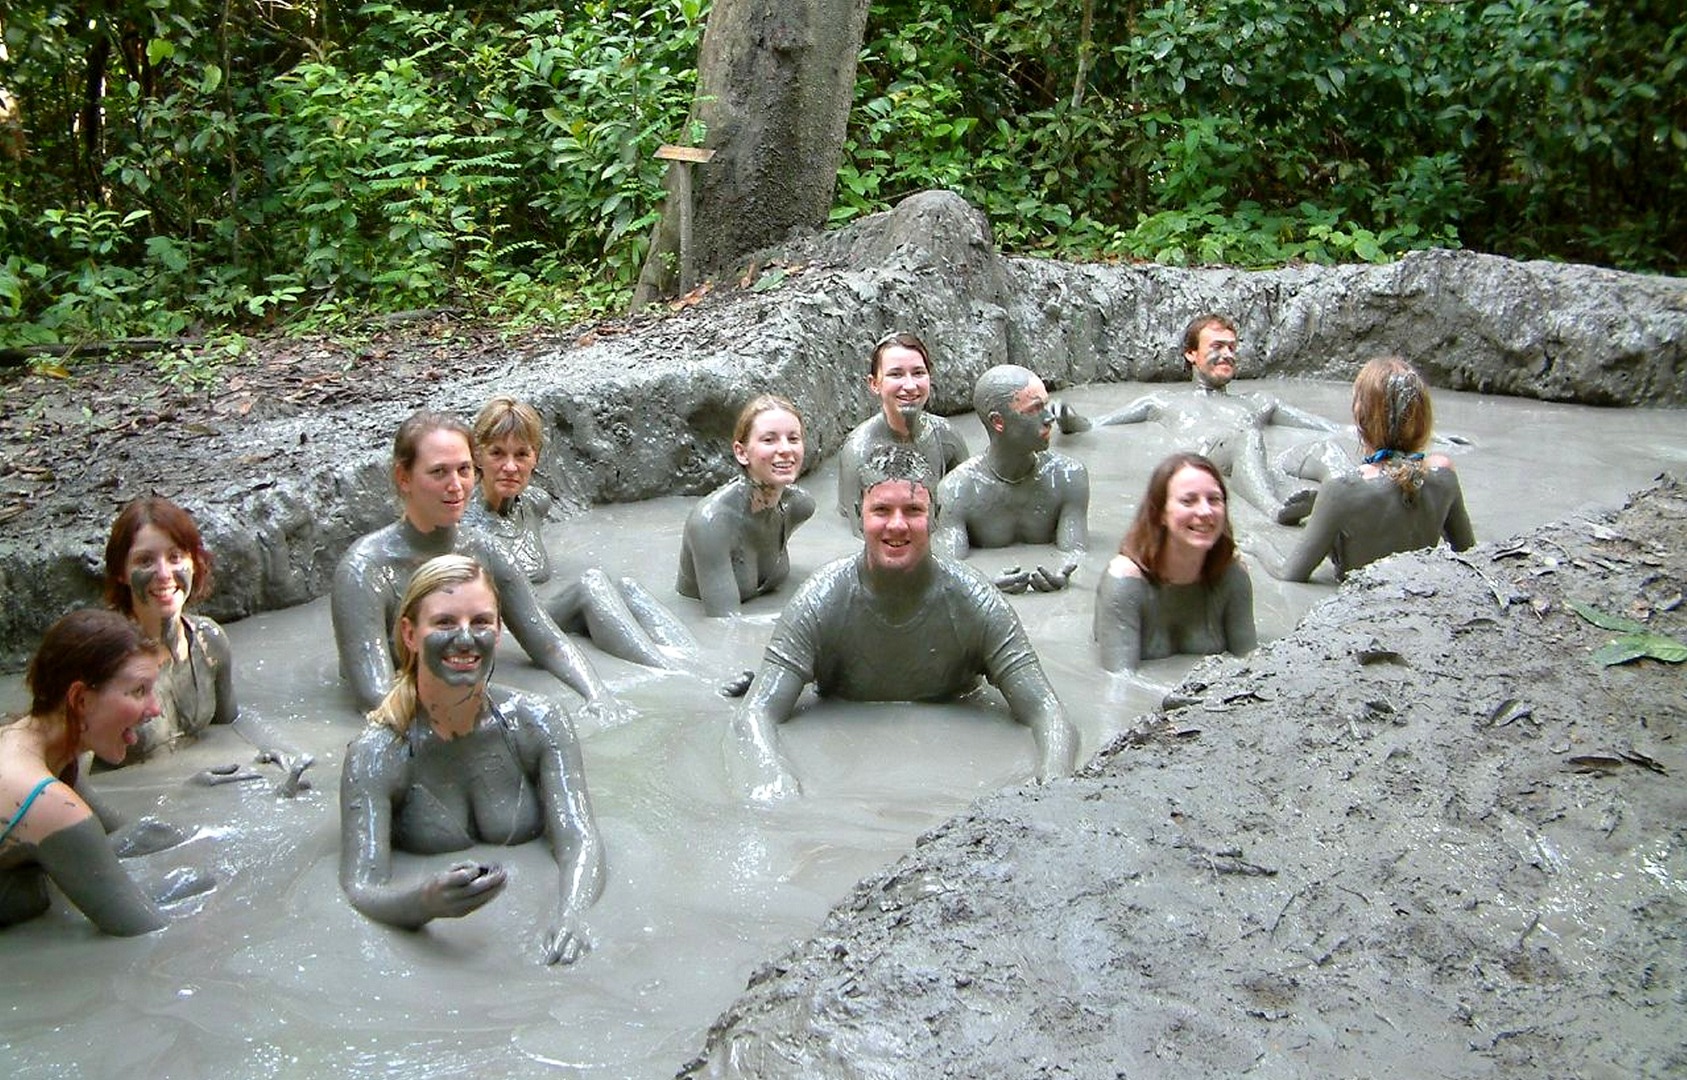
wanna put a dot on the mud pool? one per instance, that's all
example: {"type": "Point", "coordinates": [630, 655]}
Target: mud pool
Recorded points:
{"type": "Point", "coordinates": [275, 975]}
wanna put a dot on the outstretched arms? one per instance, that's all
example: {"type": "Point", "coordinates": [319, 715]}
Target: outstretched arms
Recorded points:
{"type": "Point", "coordinates": [368, 784]}
{"type": "Point", "coordinates": [772, 697]}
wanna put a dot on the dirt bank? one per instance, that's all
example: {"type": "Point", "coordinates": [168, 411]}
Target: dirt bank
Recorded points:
{"type": "Point", "coordinates": [1425, 834]}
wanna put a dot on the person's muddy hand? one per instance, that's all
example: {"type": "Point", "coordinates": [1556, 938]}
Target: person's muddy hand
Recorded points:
{"type": "Point", "coordinates": [217, 775]}
{"type": "Point", "coordinates": [182, 883]}
{"type": "Point", "coordinates": [1013, 580]}
{"type": "Point", "coordinates": [146, 837]}
{"type": "Point", "coordinates": [1068, 419]}
{"type": "Point", "coordinates": [453, 893]}
{"type": "Point", "coordinates": [1045, 580]}
{"type": "Point", "coordinates": [566, 942]}
{"type": "Point", "coordinates": [738, 685]}
{"type": "Point", "coordinates": [295, 782]}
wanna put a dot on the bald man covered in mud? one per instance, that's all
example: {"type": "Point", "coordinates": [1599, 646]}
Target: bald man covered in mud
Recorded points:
{"type": "Point", "coordinates": [896, 623]}
{"type": "Point", "coordinates": [1017, 491]}
{"type": "Point", "coordinates": [1230, 429]}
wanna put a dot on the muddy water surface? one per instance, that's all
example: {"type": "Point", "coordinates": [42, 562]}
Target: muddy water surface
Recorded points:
{"type": "Point", "coordinates": [273, 974]}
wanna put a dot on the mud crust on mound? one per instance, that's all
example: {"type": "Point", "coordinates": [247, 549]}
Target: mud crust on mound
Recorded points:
{"type": "Point", "coordinates": [1425, 834]}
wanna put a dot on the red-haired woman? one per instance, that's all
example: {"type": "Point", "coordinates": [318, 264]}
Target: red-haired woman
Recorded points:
{"type": "Point", "coordinates": [1175, 586]}
{"type": "Point", "coordinates": [155, 565]}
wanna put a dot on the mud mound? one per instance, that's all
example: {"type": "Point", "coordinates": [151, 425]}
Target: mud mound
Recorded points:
{"type": "Point", "coordinates": [1425, 834]}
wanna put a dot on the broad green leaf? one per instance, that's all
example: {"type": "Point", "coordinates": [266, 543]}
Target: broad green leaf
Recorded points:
{"type": "Point", "coordinates": [1635, 646]}
{"type": "Point", "coordinates": [1604, 621]}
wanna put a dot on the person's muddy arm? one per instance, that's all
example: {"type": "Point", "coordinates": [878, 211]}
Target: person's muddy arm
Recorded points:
{"type": "Point", "coordinates": [1285, 415]}
{"type": "Point", "coordinates": [222, 661]}
{"type": "Point", "coordinates": [82, 864]}
{"type": "Point", "coordinates": [708, 544]}
{"type": "Point", "coordinates": [1457, 528]}
{"type": "Point", "coordinates": [1072, 530]}
{"type": "Point", "coordinates": [949, 536]}
{"type": "Point", "coordinates": [1240, 636]}
{"type": "Point", "coordinates": [360, 634]}
{"type": "Point", "coordinates": [1139, 411]}
{"type": "Point", "coordinates": [1318, 540]}
{"type": "Point", "coordinates": [1118, 618]}
{"type": "Point", "coordinates": [546, 645]}
{"type": "Point", "coordinates": [954, 445]}
{"type": "Point", "coordinates": [849, 481]}
{"type": "Point", "coordinates": [772, 698]}
{"type": "Point", "coordinates": [366, 800]}
{"type": "Point", "coordinates": [1032, 702]}
{"type": "Point", "coordinates": [573, 836]}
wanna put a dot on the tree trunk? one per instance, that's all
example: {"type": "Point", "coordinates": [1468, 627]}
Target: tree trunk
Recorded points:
{"type": "Point", "coordinates": [775, 79]}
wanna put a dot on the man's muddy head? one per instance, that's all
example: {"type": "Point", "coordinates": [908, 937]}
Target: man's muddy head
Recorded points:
{"type": "Point", "coordinates": [88, 648]}
{"type": "Point", "coordinates": [445, 572]}
{"type": "Point", "coordinates": [1013, 404]}
{"type": "Point", "coordinates": [176, 524]}
{"type": "Point", "coordinates": [895, 462]}
{"type": "Point", "coordinates": [1210, 349]}
{"type": "Point", "coordinates": [1149, 535]}
{"type": "Point", "coordinates": [896, 339]}
{"type": "Point", "coordinates": [1391, 406]}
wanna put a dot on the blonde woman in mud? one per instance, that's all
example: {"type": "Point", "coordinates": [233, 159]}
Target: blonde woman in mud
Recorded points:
{"type": "Point", "coordinates": [1175, 587]}
{"type": "Point", "coordinates": [433, 470]}
{"type": "Point", "coordinates": [1400, 499]}
{"type": "Point", "coordinates": [155, 564]}
{"type": "Point", "coordinates": [734, 544]}
{"type": "Point", "coordinates": [92, 687]}
{"type": "Point", "coordinates": [449, 761]}
{"type": "Point", "coordinates": [621, 617]}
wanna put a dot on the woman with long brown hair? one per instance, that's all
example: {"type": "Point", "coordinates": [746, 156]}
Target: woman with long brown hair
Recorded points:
{"type": "Point", "coordinates": [1176, 585]}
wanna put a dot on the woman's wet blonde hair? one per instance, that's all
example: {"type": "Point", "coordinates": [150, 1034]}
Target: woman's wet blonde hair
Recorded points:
{"type": "Point", "coordinates": [761, 403]}
{"type": "Point", "coordinates": [504, 416]}
{"type": "Point", "coordinates": [398, 709]}
{"type": "Point", "coordinates": [1392, 411]}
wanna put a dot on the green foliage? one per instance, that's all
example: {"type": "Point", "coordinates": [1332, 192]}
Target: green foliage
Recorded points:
{"type": "Point", "coordinates": [266, 162]}
{"type": "Point", "coordinates": [1256, 132]}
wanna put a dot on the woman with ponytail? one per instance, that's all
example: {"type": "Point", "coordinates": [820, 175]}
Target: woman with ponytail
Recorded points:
{"type": "Point", "coordinates": [1400, 499]}
{"type": "Point", "coordinates": [449, 761]}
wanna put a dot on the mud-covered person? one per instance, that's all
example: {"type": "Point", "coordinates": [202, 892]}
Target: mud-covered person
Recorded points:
{"type": "Point", "coordinates": [156, 563]}
{"type": "Point", "coordinates": [899, 380]}
{"type": "Point", "coordinates": [433, 470]}
{"type": "Point", "coordinates": [449, 761]}
{"type": "Point", "coordinates": [92, 686]}
{"type": "Point", "coordinates": [1399, 499]}
{"type": "Point", "coordinates": [734, 546]}
{"type": "Point", "coordinates": [1176, 586]}
{"type": "Point", "coordinates": [1229, 429]}
{"type": "Point", "coordinates": [1017, 491]}
{"type": "Point", "coordinates": [896, 623]}
{"type": "Point", "coordinates": [620, 616]}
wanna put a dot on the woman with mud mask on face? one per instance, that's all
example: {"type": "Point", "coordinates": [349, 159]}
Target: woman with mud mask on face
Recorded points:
{"type": "Point", "coordinates": [1399, 500]}
{"type": "Point", "coordinates": [1175, 587]}
{"type": "Point", "coordinates": [621, 617]}
{"type": "Point", "coordinates": [449, 761]}
{"type": "Point", "coordinates": [91, 686]}
{"type": "Point", "coordinates": [155, 564]}
{"type": "Point", "coordinates": [433, 470]}
{"type": "Point", "coordinates": [734, 544]}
